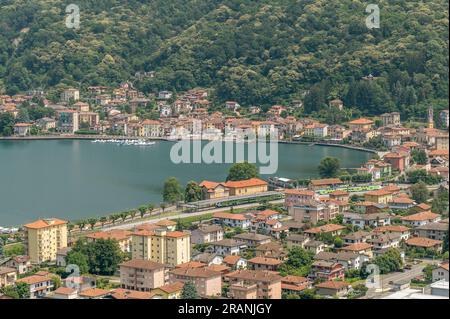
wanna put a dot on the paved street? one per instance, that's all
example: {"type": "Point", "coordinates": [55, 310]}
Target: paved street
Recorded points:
{"type": "Point", "coordinates": [398, 276]}
{"type": "Point", "coordinates": [182, 215]}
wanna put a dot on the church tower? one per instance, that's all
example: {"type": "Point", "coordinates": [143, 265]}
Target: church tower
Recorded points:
{"type": "Point", "coordinates": [430, 117]}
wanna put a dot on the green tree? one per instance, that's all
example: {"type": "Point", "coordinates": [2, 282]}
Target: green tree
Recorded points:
{"type": "Point", "coordinates": [75, 257]}
{"type": "Point", "coordinates": [390, 261]}
{"type": "Point", "coordinates": [21, 290]}
{"type": "Point", "coordinates": [189, 291]}
{"type": "Point", "coordinates": [92, 222]}
{"type": "Point", "coordinates": [142, 211]}
{"type": "Point", "coordinates": [298, 263]}
{"type": "Point", "coordinates": [193, 192]}
{"type": "Point", "coordinates": [329, 167]}
{"type": "Point", "coordinates": [419, 192]}
{"type": "Point", "coordinates": [6, 124]}
{"type": "Point", "coordinates": [419, 157]}
{"type": "Point", "coordinates": [103, 255]}
{"type": "Point", "coordinates": [242, 171]}
{"type": "Point", "coordinates": [172, 191]}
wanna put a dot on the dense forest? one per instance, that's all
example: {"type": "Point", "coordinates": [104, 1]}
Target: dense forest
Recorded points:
{"type": "Point", "coordinates": [257, 52]}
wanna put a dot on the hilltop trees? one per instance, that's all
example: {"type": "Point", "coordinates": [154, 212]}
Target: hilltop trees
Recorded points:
{"type": "Point", "coordinates": [258, 57]}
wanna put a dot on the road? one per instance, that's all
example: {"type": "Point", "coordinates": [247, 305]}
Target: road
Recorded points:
{"type": "Point", "coordinates": [408, 275]}
{"type": "Point", "coordinates": [182, 215]}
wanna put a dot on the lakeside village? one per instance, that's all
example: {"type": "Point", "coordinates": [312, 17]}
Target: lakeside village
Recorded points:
{"type": "Point", "coordinates": [317, 238]}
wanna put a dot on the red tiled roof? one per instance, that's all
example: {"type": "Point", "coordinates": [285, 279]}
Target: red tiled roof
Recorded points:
{"type": "Point", "coordinates": [422, 216]}
{"type": "Point", "coordinates": [252, 182]}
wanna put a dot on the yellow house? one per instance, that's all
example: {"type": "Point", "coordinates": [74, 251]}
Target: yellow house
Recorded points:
{"type": "Point", "coordinates": [379, 196]}
{"type": "Point", "coordinates": [166, 247]}
{"type": "Point", "coordinates": [169, 291]}
{"type": "Point", "coordinates": [246, 187]}
{"type": "Point", "coordinates": [213, 190]}
{"type": "Point", "coordinates": [44, 238]}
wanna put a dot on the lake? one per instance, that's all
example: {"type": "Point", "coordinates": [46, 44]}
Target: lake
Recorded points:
{"type": "Point", "coordinates": [75, 179]}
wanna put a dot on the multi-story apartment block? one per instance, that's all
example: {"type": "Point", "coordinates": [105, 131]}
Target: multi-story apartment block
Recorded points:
{"type": "Point", "coordinates": [142, 275]}
{"type": "Point", "coordinates": [207, 282]}
{"type": "Point", "coordinates": [162, 246]}
{"type": "Point", "coordinates": [206, 234]}
{"type": "Point", "coordinates": [44, 238]}
{"type": "Point", "coordinates": [68, 121]}
{"type": "Point", "coordinates": [70, 95]}
{"type": "Point", "coordinates": [243, 284]}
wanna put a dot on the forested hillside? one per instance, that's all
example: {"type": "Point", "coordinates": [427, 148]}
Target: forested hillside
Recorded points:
{"type": "Point", "coordinates": [255, 52]}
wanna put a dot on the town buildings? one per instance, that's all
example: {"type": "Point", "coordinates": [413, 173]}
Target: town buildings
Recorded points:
{"type": "Point", "coordinates": [44, 238]}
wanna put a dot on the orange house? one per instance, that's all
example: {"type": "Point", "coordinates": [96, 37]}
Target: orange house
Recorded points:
{"type": "Point", "coordinates": [246, 187]}
{"type": "Point", "coordinates": [398, 161]}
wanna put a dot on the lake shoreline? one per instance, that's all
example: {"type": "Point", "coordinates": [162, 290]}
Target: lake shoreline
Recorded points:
{"type": "Point", "coordinates": [71, 179]}
{"type": "Point", "coordinates": [107, 137]}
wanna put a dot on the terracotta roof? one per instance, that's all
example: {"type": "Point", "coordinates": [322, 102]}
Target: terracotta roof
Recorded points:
{"type": "Point", "coordinates": [195, 272]}
{"type": "Point", "coordinates": [143, 233]}
{"type": "Point", "coordinates": [379, 192]}
{"type": "Point", "coordinates": [65, 291]}
{"type": "Point", "coordinates": [402, 200]}
{"type": "Point", "coordinates": [424, 206]}
{"type": "Point", "coordinates": [255, 275]}
{"type": "Point", "coordinates": [150, 122]}
{"type": "Point", "coordinates": [246, 183]}
{"type": "Point", "coordinates": [231, 259]}
{"type": "Point", "coordinates": [391, 188]}
{"type": "Point", "coordinates": [444, 265]}
{"type": "Point", "coordinates": [44, 223]}
{"type": "Point", "coordinates": [173, 287]}
{"type": "Point", "coordinates": [94, 292]}
{"type": "Point", "coordinates": [117, 234]}
{"type": "Point", "coordinates": [219, 268]}
{"type": "Point", "coordinates": [142, 264]}
{"type": "Point", "coordinates": [302, 192]}
{"type": "Point", "coordinates": [268, 213]}
{"type": "Point", "coordinates": [177, 234]}
{"type": "Point", "coordinates": [422, 216]}
{"type": "Point", "coordinates": [324, 229]}
{"type": "Point", "coordinates": [423, 242]}
{"type": "Point", "coordinates": [191, 264]}
{"type": "Point", "coordinates": [357, 247]}
{"type": "Point", "coordinates": [333, 285]}
{"type": "Point", "coordinates": [166, 222]}
{"type": "Point", "coordinates": [34, 279]}
{"type": "Point", "coordinates": [265, 261]}
{"type": "Point", "coordinates": [131, 294]}
{"type": "Point", "coordinates": [391, 228]}
{"type": "Point", "coordinates": [294, 279]}
{"type": "Point", "coordinates": [209, 184]}
{"type": "Point", "coordinates": [230, 216]}
{"type": "Point", "coordinates": [361, 121]}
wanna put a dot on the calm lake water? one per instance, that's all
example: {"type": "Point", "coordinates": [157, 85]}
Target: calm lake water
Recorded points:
{"type": "Point", "coordinates": [78, 179]}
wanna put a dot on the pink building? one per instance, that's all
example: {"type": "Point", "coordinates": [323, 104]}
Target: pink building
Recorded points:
{"type": "Point", "coordinates": [142, 275]}
{"type": "Point", "coordinates": [207, 282]}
